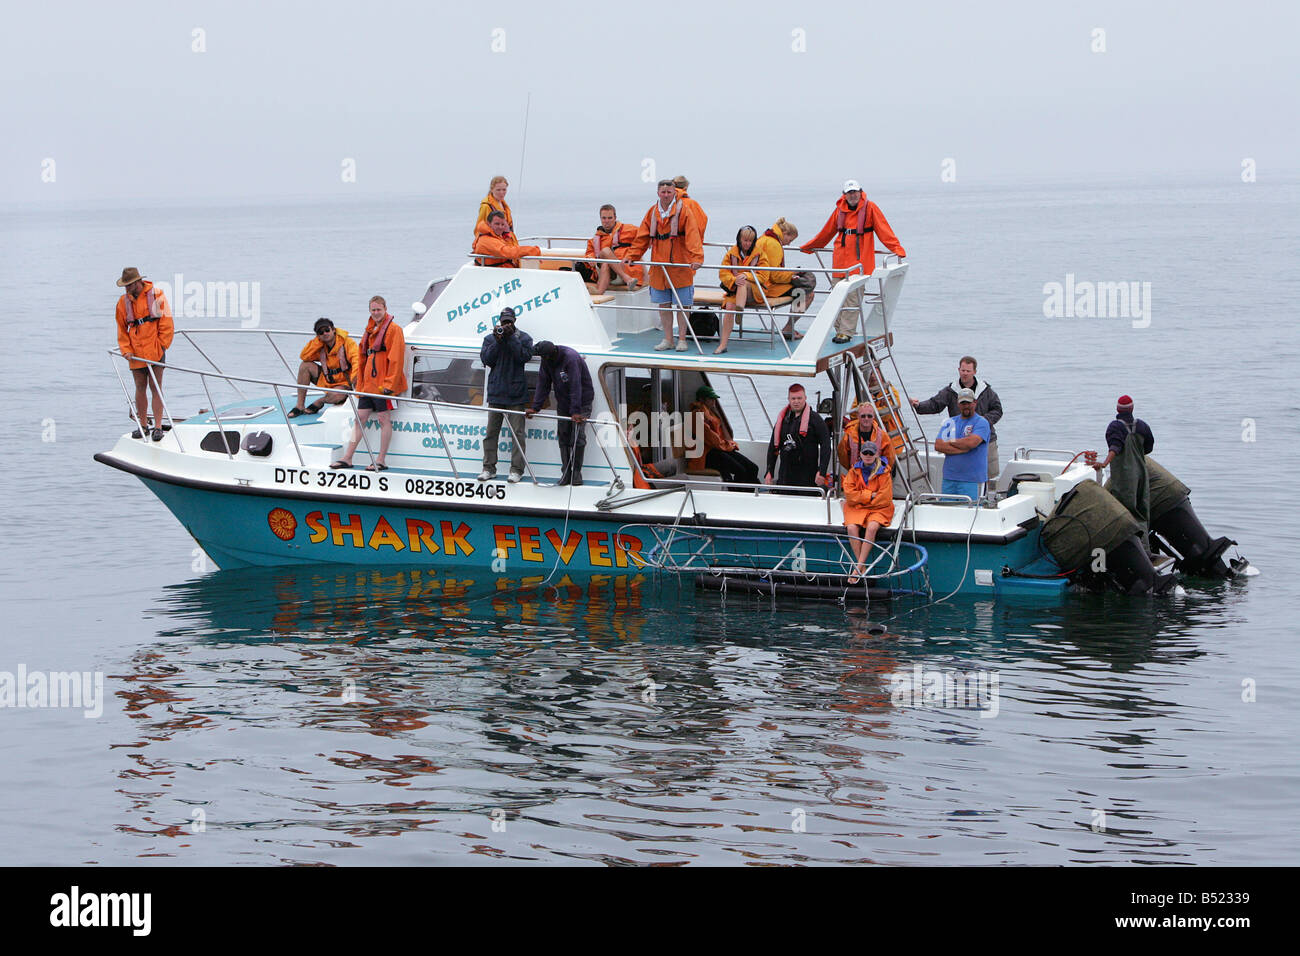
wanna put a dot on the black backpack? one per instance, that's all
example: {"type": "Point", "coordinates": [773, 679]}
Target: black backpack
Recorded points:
{"type": "Point", "coordinates": [704, 324]}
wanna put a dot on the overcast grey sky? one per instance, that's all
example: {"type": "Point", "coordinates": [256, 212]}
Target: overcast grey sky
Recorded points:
{"type": "Point", "coordinates": [754, 93]}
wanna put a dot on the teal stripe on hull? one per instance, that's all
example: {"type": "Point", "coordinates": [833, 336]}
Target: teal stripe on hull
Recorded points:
{"type": "Point", "coordinates": [245, 530]}
{"type": "Point", "coordinates": [241, 530]}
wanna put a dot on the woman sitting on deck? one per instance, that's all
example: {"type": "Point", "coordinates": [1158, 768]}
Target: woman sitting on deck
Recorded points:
{"type": "Point", "coordinates": [868, 503]}
{"type": "Point", "coordinates": [740, 287]}
{"type": "Point", "coordinates": [775, 285]}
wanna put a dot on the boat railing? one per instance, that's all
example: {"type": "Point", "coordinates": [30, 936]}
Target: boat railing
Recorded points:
{"type": "Point", "coordinates": [767, 309]}
{"type": "Point", "coordinates": [1023, 453]}
{"type": "Point", "coordinates": [770, 552]}
{"type": "Point", "coordinates": [352, 395]}
{"type": "Point", "coordinates": [608, 434]}
{"type": "Point", "coordinates": [881, 254]}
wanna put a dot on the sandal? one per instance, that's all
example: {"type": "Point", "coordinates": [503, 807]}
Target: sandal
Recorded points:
{"type": "Point", "coordinates": [721, 351]}
{"type": "Point", "coordinates": [377, 466]}
{"type": "Point", "coordinates": [340, 464]}
{"type": "Point", "coordinates": [295, 412]}
{"type": "Point", "coordinates": [315, 407]}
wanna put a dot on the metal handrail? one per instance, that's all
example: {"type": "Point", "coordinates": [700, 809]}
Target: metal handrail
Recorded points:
{"type": "Point", "coordinates": [520, 240]}
{"type": "Point", "coordinates": [1042, 451]}
{"type": "Point", "coordinates": [353, 395]}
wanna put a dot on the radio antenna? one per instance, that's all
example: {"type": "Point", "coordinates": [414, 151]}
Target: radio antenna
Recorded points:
{"type": "Point", "coordinates": [523, 146]}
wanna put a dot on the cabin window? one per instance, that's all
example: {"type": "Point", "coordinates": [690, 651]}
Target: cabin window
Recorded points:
{"type": "Point", "coordinates": [447, 377]}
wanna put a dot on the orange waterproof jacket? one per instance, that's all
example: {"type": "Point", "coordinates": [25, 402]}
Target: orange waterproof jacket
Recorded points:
{"type": "Point", "coordinates": [144, 325]}
{"type": "Point", "coordinates": [873, 499]}
{"type": "Point", "coordinates": [674, 238]}
{"type": "Point", "coordinates": [500, 251]}
{"type": "Point", "coordinates": [383, 358]}
{"type": "Point", "coordinates": [772, 255]}
{"type": "Point", "coordinates": [698, 211]}
{"type": "Point", "coordinates": [618, 240]}
{"type": "Point", "coordinates": [650, 470]}
{"type": "Point", "coordinates": [716, 435]}
{"type": "Point", "coordinates": [342, 363]}
{"type": "Point", "coordinates": [849, 442]}
{"type": "Point", "coordinates": [854, 231]}
{"type": "Point", "coordinates": [486, 207]}
{"type": "Point", "coordinates": [727, 278]}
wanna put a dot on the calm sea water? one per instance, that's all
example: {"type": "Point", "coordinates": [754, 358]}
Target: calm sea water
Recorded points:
{"type": "Point", "coordinates": [343, 716]}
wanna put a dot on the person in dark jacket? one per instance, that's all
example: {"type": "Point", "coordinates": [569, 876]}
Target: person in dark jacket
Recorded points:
{"type": "Point", "coordinates": [1129, 440]}
{"type": "Point", "coordinates": [802, 443]}
{"type": "Point", "coordinates": [505, 352]}
{"type": "Point", "coordinates": [987, 404]}
{"type": "Point", "coordinates": [574, 394]}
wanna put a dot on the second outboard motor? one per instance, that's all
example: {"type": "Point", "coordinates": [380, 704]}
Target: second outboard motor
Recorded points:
{"type": "Point", "coordinates": [1177, 525]}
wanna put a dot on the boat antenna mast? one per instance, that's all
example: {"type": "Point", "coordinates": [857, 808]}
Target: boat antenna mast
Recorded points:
{"type": "Point", "coordinates": [523, 147]}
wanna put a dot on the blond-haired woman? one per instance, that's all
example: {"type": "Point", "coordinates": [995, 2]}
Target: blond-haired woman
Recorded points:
{"type": "Point", "coordinates": [495, 200]}
{"type": "Point", "coordinates": [771, 254]}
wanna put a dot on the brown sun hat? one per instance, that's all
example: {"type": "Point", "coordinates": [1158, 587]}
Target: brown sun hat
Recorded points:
{"type": "Point", "coordinates": [129, 275]}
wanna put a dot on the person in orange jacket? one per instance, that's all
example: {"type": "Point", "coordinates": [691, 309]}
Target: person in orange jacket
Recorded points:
{"type": "Point", "coordinates": [771, 255]}
{"type": "Point", "coordinates": [866, 422]}
{"type": "Point", "coordinates": [719, 450]}
{"type": "Point", "coordinates": [740, 287]}
{"type": "Point", "coordinates": [497, 243]}
{"type": "Point", "coordinates": [681, 184]}
{"type": "Point", "coordinates": [854, 222]}
{"type": "Point", "coordinates": [144, 331]}
{"type": "Point", "coordinates": [383, 360]}
{"type": "Point", "coordinates": [672, 234]}
{"type": "Point", "coordinates": [868, 503]}
{"type": "Point", "coordinates": [329, 360]}
{"type": "Point", "coordinates": [495, 200]}
{"type": "Point", "coordinates": [607, 245]}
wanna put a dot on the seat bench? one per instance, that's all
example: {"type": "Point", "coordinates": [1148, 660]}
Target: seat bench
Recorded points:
{"type": "Point", "coordinates": [715, 298]}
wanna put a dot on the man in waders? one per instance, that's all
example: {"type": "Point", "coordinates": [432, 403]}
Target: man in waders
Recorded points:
{"type": "Point", "coordinates": [1129, 441]}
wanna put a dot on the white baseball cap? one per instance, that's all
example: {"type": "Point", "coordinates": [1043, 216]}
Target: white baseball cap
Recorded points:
{"type": "Point", "coordinates": [850, 185]}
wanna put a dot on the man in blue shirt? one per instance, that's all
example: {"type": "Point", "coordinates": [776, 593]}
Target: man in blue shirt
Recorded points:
{"type": "Point", "coordinates": [963, 439]}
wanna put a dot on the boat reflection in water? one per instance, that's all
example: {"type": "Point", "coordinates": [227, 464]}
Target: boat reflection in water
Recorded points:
{"type": "Point", "coordinates": [622, 718]}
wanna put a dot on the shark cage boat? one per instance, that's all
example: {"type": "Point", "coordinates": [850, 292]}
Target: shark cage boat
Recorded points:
{"type": "Point", "coordinates": [254, 487]}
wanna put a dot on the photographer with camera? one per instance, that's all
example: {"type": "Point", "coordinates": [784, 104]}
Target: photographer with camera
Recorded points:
{"type": "Point", "coordinates": [802, 444]}
{"type": "Point", "coordinates": [505, 352]}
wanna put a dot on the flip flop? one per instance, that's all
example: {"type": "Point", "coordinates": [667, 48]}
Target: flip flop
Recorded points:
{"type": "Point", "coordinates": [341, 464]}
{"type": "Point", "coordinates": [295, 412]}
{"type": "Point", "coordinates": [377, 466]}
{"type": "Point", "coordinates": [315, 407]}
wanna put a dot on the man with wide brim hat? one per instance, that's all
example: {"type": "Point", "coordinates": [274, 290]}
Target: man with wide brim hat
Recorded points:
{"type": "Point", "coordinates": [144, 333]}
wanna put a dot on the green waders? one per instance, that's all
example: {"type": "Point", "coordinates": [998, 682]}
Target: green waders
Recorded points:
{"type": "Point", "coordinates": [1129, 481]}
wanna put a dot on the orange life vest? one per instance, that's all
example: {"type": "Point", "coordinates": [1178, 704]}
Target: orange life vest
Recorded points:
{"type": "Point", "coordinates": [858, 231]}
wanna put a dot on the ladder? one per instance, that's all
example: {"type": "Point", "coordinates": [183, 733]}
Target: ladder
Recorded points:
{"type": "Point", "coordinates": [914, 463]}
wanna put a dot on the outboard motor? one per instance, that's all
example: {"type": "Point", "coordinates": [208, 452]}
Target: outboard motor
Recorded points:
{"type": "Point", "coordinates": [1176, 524]}
{"type": "Point", "coordinates": [1089, 522]}
{"type": "Point", "coordinates": [1179, 531]}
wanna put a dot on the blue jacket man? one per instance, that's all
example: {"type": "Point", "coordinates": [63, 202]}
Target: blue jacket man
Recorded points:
{"type": "Point", "coordinates": [564, 369]}
{"type": "Point", "coordinates": [505, 352]}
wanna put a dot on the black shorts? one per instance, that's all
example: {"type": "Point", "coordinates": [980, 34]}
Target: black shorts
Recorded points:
{"type": "Point", "coordinates": [375, 404]}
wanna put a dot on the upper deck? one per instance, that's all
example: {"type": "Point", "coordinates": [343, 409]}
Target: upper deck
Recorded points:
{"type": "Point", "coordinates": [553, 302]}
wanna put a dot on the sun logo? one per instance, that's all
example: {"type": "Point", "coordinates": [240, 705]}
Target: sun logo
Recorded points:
{"type": "Point", "coordinates": [283, 524]}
